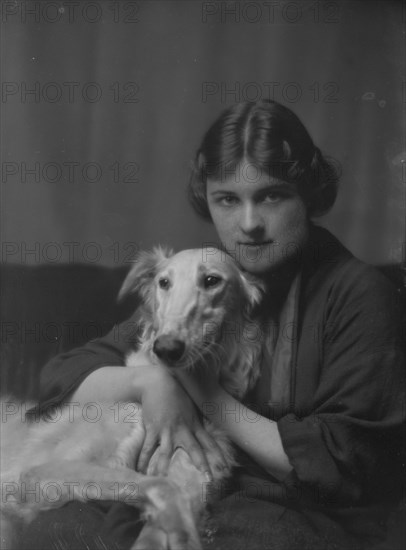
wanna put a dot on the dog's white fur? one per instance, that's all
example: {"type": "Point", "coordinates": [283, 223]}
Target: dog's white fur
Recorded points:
{"type": "Point", "coordinates": [197, 300]}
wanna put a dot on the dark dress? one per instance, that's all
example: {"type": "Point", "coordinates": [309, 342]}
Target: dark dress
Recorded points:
{"type": "Point", "coordinates": [342, 430]}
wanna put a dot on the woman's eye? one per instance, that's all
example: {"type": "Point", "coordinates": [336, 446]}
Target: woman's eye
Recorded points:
{"type": "Point", "coordinates": [228, 200]}
{"type": "Point", "coordinates": [272, 197]}
{"type": "Point", "coordinates": [163, 283]}
{"type": "Point", "coordinates": [211, 280]}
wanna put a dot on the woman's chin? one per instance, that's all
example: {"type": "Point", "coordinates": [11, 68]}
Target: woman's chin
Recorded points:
{"type": "Point", "coordinates": [260, 268]}
{"type": "Point", "coordinates": [265, 268]}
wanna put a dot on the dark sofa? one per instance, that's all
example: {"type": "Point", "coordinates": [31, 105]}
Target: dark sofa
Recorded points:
{"type": "Point", "coordinates": [48, 309]}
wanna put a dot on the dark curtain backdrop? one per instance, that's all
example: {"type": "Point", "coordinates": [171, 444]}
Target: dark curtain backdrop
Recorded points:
{"type": "Point", "coordinates": [95, 160]}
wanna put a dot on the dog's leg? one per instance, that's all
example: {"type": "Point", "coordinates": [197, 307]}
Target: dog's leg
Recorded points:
{"type": "Point", "coordinates": [154, 538]}
{"type": "Point", "coordinates": [197, 491]}
{"type": "Point", "coordinates": [161, 502]}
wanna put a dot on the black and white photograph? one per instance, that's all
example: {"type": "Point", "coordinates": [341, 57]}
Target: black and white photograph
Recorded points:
{"type": "Point", "coordinates": [203, 275]}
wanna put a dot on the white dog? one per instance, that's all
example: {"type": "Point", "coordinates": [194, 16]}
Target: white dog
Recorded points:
{"type": "Point", "coordinates": [197, 309]}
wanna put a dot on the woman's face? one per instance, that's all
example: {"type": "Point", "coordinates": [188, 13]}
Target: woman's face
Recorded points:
{"type": "Point", "coordinates": [261, 221]}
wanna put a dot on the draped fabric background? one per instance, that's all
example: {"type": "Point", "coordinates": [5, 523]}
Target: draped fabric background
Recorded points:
{"type": "Point", "coordinates": [104, 104]}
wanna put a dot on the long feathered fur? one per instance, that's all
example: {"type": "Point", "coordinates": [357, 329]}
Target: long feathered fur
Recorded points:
{"type": "Point", "coordinates": [31, 451]}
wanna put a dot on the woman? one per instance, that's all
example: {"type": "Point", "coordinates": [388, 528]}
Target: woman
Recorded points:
{"type": "Point", "coordinates": [320, 435]}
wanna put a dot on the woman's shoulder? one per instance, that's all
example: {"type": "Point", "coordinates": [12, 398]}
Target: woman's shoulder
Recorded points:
{"type": "Point", "coordinates": [354, 306]}
{"type": "Point", "coordinates": [333, 277]}
{"type": "Point", "coordinates": [328, 261]}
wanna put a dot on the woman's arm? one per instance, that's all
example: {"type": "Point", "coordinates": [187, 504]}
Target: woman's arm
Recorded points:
{"type": "Point", "coordinates": [170, 418]}
{"type": "Point", "coordinates": [63, 374]}
{"type": "Point", "coordinates": [110, 383]}
{"type": "Point", "coordinates": [343, 437]}
{"type": "Point", "coordinates": [96, 372]}
{"type": "Point", "coordinates": [256, 435]}
{"type": "Point", "coordinates": [345, 434]}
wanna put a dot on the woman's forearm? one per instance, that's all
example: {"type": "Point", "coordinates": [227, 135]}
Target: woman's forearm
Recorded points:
{"type": "Point", "coordinates": [112, 384]}
{"type": "Point", "coordinates": [256, 435]}
{"type": "Point", "coordinates": [169, 415]}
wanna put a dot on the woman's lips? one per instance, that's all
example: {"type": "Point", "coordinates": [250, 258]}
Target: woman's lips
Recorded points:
{"type": "Point", "coordinates": [257, 243]}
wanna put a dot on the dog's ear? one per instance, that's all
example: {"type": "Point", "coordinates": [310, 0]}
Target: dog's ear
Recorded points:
{"type": "Point", "coordinates": [253, 290]}
{"type": "Point", "coordinates": [142, 273]}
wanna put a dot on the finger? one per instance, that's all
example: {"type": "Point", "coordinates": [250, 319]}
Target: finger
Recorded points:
{"type": "Point", "coordinates": [165, 455]}
{"type": "Point", "coordinates": [162, 464]}
{"type": "Point", "coordinates": [210, 446]}
{"type": "Point", "coordinates": [148, 448]}
{"type": "Point", "coordinates": [196, 453]}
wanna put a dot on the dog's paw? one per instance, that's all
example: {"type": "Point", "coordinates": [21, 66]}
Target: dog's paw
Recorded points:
{"type": "Point", "coordinates": [170, 523]}
{"type": "Point", "coordinates": [152, 537]}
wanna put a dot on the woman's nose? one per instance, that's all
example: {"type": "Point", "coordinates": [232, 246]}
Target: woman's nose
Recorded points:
{"type": "Point", "coordinates": [251, 220]}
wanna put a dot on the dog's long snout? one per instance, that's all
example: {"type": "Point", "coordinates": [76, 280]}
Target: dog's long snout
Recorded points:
{"type": "Point", "coordinates": [169, 348]}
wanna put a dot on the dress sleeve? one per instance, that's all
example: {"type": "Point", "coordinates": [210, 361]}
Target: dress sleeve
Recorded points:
{"type": "Point", "coordinates": [64, 373]}
{"type": "Point", "coordinates": [347, 448]}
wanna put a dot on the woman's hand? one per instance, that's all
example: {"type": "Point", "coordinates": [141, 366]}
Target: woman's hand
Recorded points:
{"type": "Point", "coordinates": [171, 420]}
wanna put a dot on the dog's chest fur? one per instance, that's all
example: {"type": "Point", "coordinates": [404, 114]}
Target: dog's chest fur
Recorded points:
{"type": "Point", "coordinates": [236, 361]}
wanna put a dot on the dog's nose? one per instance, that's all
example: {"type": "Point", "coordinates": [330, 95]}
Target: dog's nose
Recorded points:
{"type": "Point", "coordinates": [168, 348]}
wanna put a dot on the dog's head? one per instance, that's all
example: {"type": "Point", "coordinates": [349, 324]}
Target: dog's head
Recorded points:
{"type": "Point", "coordinates": [191, 297]}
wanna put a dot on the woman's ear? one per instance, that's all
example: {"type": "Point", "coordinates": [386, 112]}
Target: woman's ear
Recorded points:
{"type": "Point", "coordinates": [287, 151]}
{"type": "Point", "coordinates": [142, 273]}
{"type": "Point", "coordinates": [200, 160]}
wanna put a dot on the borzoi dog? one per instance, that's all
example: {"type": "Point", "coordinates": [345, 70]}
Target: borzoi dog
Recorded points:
{"type": "Point", "coordinates": [190, 301]}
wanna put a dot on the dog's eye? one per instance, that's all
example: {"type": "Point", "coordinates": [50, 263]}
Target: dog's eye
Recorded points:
{"type": "Point", "coordinates": [211, 280]}
{"type": "Point", "coordinates": [164, 283]}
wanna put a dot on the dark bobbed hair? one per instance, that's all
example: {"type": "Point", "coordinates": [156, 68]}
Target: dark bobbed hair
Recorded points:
{"type": "Point", "coordinates": [271, 137]}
